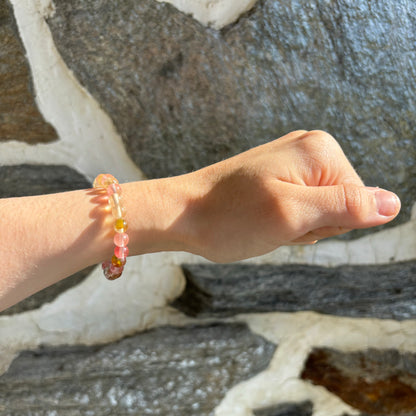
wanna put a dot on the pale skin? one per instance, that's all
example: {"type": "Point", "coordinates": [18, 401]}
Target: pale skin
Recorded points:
{"type": "Point", "coordinates": [294, 190]}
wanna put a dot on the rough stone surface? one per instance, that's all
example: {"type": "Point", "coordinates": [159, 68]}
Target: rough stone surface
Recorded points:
{"type": "Point", "coordinates": [19, 116]}
{"type": "Point", "coordinates": [166, 371]}
{"type": "Point", "coordinates": [287, 409]}
{"type": "Point", "coordinates": [183, 95]}
{"type": "Point", "coordinates": [26, 180]}
{"type": "Point", "coordinates": [382, 291]}
{"type": "Point", "coordinates": [379, 382]}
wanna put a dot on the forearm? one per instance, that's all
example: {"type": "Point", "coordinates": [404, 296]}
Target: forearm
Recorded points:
{"type": "Point", "coordinates": [47, 238]}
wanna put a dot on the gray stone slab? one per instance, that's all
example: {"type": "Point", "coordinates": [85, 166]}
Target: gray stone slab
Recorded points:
{"type": "Point", "coordinates": [183, 96]}
{"type": "Point", "coordinates": [26, 180]}
{"type": "Point", "coordinates": [382, 291]}
{"type": "Point", "coordinates": [20, 118]}
{"type": "Point", "coordinates": [165, 371]}
{"type": "Point", "coordinates": [287, 409]}
{"type": "Point", "coordinates": [376, 382]}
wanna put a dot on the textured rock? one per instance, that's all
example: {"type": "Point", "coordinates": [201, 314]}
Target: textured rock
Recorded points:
{"type": "Point", "coordinates": [383, 291]}
{"type": "Point", "coordinates": [25, 180]}
{"type": "Point", "coordinates": [379, 382]}
{"type": "Point", "coordinates": [287, 409]}
{"type": "Point", "coordinates": [19, 116]}
{"type": "Point", "coordinates": [183, 95]}
{"type": "Point", "coordinates": [166, 371]}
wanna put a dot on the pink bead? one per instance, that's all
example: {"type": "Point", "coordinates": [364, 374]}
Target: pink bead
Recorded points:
{"type": "Point", "coordinates": [121, 252]}
{"type": "Point", "coordinates": [114, 188]}
{"type": "Point", "coordinates": [111, 276]}
{"type": "Point", "coordinates": [111, 272]}
{"type": "Point", "coordinates": [116, 269]}
{"type": "Point", "coordinates": [106, 265]}
{"type": "Point", "coordinates": [121, 239]}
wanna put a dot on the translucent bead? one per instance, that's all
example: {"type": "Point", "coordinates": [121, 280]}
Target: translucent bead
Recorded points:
{"type": "Point", "coordinates": [112, 272]}
{"type": "Point", "coordinates": [121, 252]}
{"type": "Point", "coordinates": [114, 200]}
{"type": "Point", "coordinates": [118, 211]}
{"type": "Point", "coordinates": [118, 262]}
{"type": "Point", "coordinates": [106, 266]}
{"type": "Point", "coordinates": [116, 269]}
{"type": "Point", "coordinates": [112, 275]}
{"type": "Point", "coordinates": [120, 225]}
{"type": "Point", "coordinates": [104, 180]}
{"type": "Point", "coordinates": [121, 239]}
{"type": "Point", "coordinates": [114, 188]}
{"type": "Point", "coordinates": [99, 180]}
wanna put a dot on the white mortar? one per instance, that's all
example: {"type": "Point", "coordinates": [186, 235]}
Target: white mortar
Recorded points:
{"type": "Point", "coordinates": [88, 140]}
{"type": "Point", "coordinates": [214, 13]}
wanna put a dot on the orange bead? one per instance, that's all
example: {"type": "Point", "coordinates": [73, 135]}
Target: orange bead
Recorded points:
{"type": "Point", "coordinates": [118, 262]}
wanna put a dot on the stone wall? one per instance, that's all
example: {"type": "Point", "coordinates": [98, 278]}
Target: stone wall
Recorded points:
{"type": "Point", "coordinates": [153, 89]}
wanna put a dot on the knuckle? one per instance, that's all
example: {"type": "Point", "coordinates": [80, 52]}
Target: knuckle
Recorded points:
{"type": "Point", "coordinates": [317, 141]}
{"type": "Point", "coordinates": [354, 201]}
{"type": "Point", "coordinates": [320, 150]}
{"type": "Point", "coordinates": [320, 138]}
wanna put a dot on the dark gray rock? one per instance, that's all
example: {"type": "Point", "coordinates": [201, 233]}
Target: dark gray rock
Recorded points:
{"type": "Point", "coordinates": [287, 409]}
{"type": "Point", "coordinates": [183, 95]}
{"type": "Point", "coordinates": [20, 118]}
{"type": "Point", "coordinates": [26, 180]}
{"type": "Point", "coordinates": [165, 371]}
{"type": "Point", "coordinates": [376, 382]}
{"type": "Point", "coordinates": [382, 291]}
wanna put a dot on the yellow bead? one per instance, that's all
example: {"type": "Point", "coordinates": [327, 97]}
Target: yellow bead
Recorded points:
{"type": "Point", "coordinates": [118, 211]}
{"type": "Point", "coordinates": [114, 200]}
{"type": "Point", "coordinates": [120, 225]}
{"type": "Point", "coordinates": [104, 180]}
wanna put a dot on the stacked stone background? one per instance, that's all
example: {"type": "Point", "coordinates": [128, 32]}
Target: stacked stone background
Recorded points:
{"type": "Point", "coordinates": [331, 333]}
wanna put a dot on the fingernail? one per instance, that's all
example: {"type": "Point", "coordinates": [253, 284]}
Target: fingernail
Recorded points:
{"type": "Point", "coordinates": [388, 203]}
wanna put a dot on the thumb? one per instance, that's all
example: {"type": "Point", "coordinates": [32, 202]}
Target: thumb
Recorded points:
{"type": "Point", "coordinates": [351, 206]}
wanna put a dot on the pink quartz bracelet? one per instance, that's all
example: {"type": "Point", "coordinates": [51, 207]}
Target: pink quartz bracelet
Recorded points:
{"type": "Point", "coordinates": [114, 268]}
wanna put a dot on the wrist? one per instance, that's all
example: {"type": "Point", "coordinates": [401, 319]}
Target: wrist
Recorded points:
{"type": "Point", "coordinates": [157, 215]}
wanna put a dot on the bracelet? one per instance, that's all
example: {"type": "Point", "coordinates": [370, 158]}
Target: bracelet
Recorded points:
{"type": "Point", "coordinates": [114, 268]}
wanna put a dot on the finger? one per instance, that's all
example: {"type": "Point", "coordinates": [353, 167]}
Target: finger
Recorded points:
{"type": "Point", "coordinates": [347, 206]}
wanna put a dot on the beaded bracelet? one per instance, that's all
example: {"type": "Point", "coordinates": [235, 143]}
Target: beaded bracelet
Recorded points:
{"type": "Point", "coordinates": [114, 268]}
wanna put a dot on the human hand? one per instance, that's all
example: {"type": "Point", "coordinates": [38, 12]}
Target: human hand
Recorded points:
{"type": "Point", "coordinates": [294, 190]}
